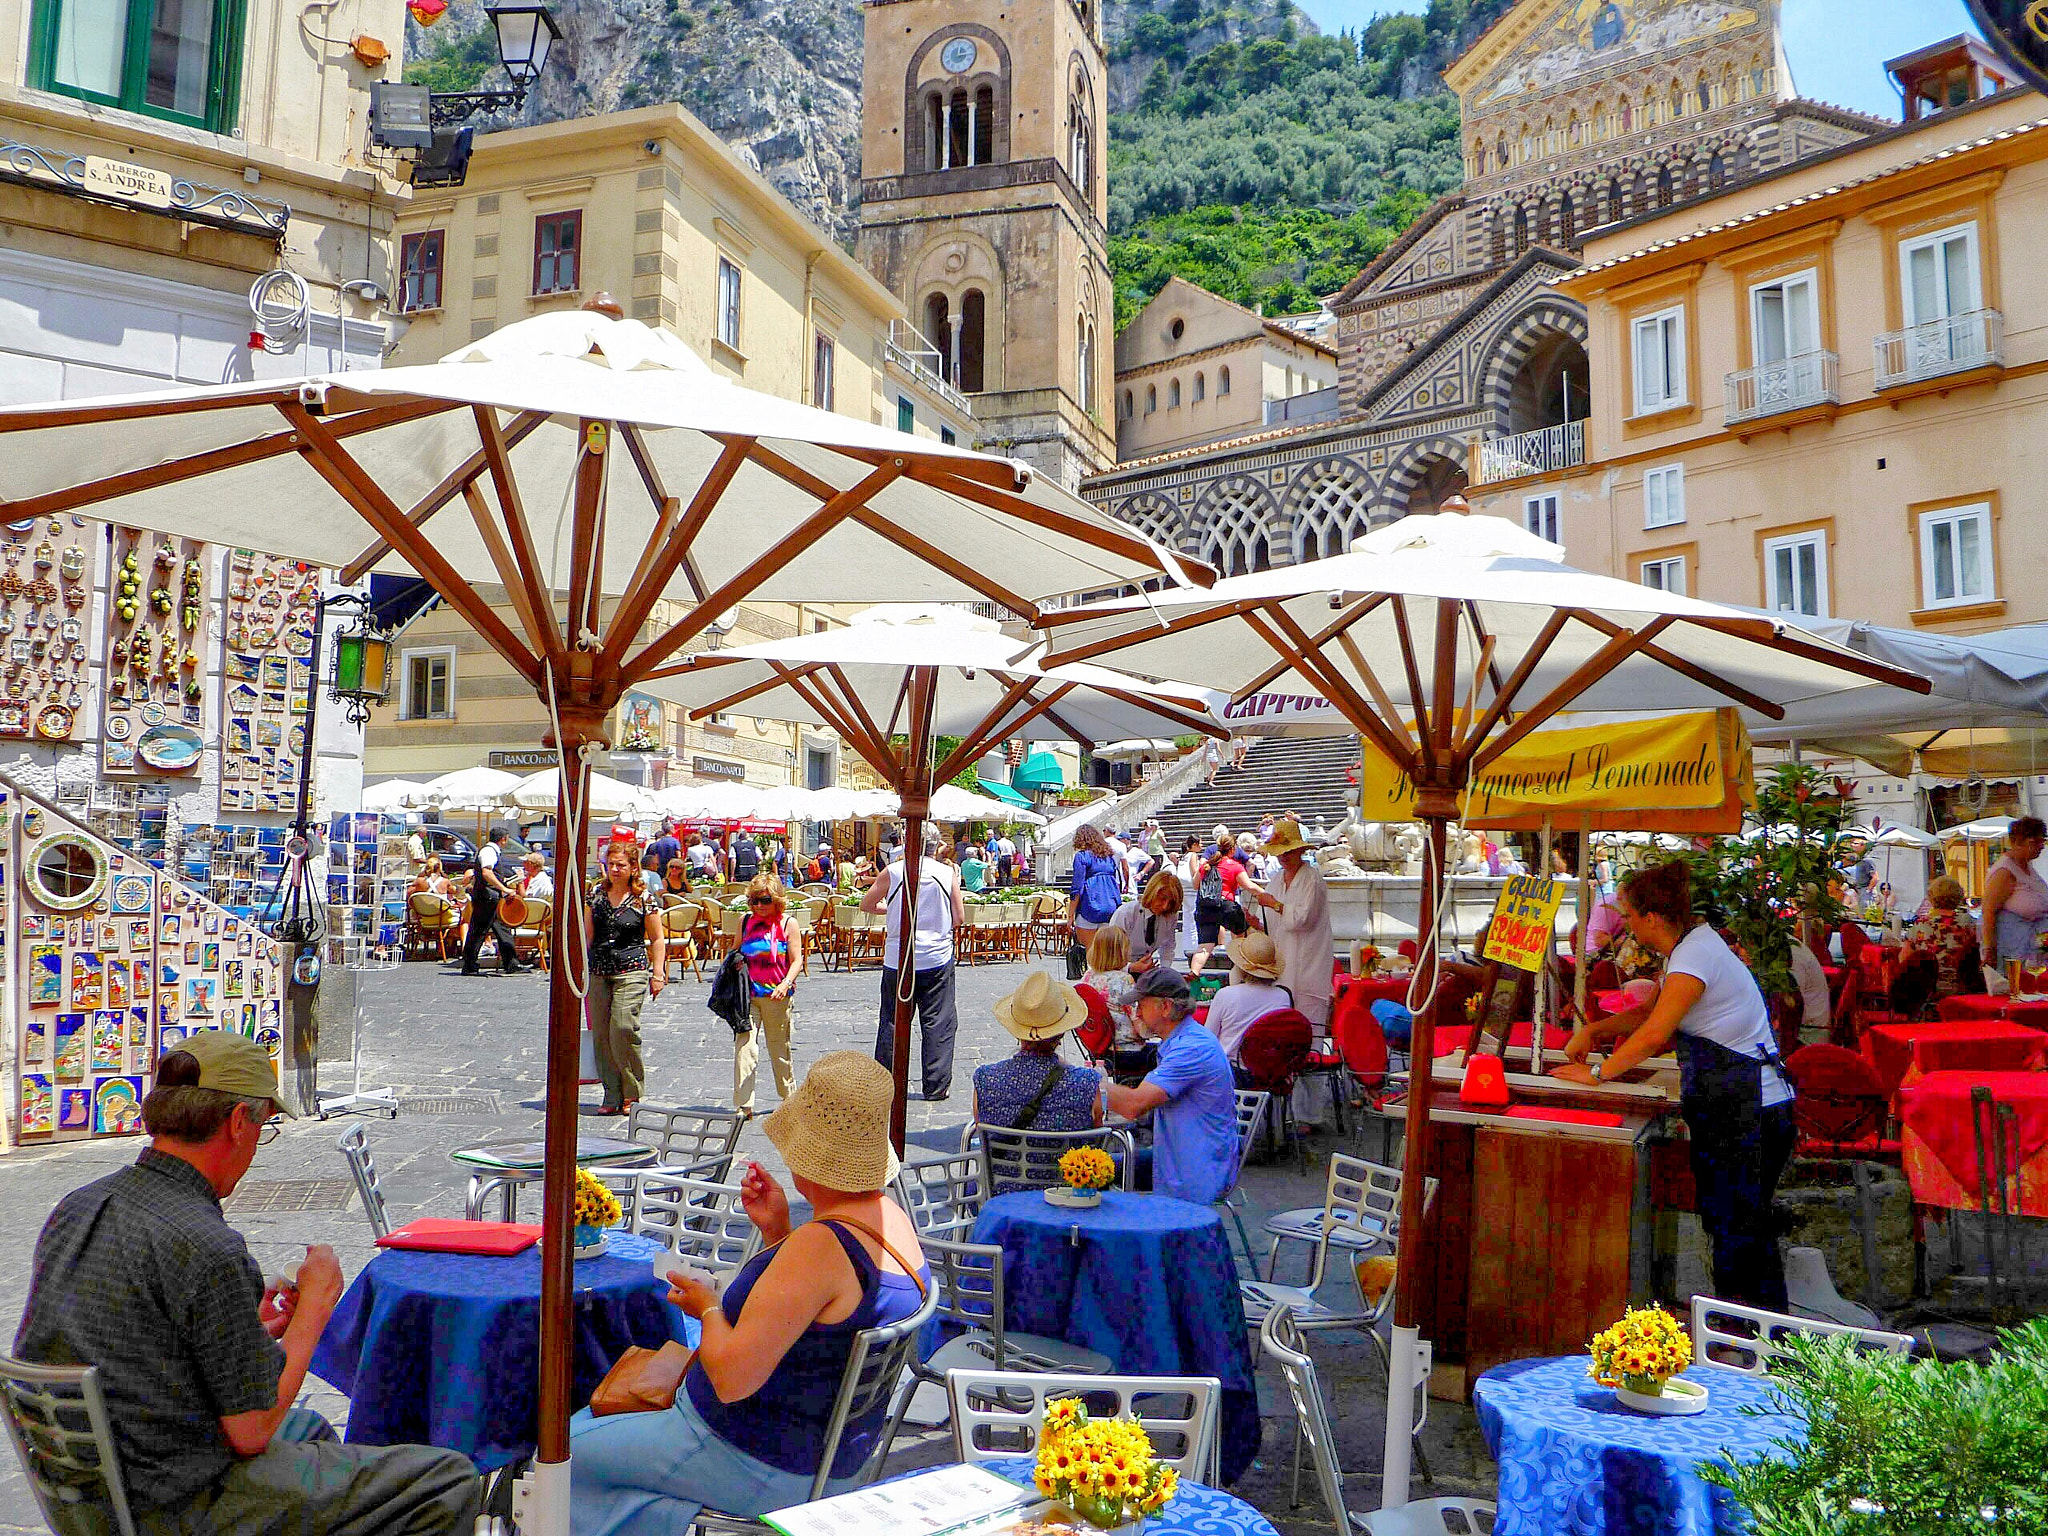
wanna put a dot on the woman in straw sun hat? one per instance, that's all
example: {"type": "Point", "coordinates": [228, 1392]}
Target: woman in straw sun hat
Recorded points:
{"type": "Point", "coordinates": [747, 1429]}
{"type": "Point", "coordinates": [1034, 1089]}
{"type": "Point", "coordinates": [1253, 991]}
{"type": "Point", "coordinates": [1297, 906]}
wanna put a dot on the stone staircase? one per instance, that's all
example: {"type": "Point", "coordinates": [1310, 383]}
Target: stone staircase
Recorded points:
{"type": "Point", "coordinates": [1281, 774]}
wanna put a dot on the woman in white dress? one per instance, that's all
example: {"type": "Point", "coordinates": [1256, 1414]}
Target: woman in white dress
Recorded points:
{"type": "Point", "coordinates": [1298, 918]}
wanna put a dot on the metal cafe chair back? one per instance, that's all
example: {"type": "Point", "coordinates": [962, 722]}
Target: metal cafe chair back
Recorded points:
{"type": "Point", "coordinates": [57, 1418]}
{"type": "Point", "coordinates": [691, 1137]}
{"type": "Point", "coordinates": [697, 1219]}
{"type": "Point", "coordinates": [1013, 1159]}
{"type": "Point", "coordinates": [355, 1148]}
{"type": "Point", "coordinates": [1747, 1339]}
{"type": "Point", "coordinates": [999, 1413]}
{"type": "Point", "coordinates": [942, 1195]}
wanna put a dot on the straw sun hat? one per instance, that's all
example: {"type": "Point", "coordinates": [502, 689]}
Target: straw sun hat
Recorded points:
{"type": "Point", "coordinates": [1285, 837]}
{"type": "Point", "coordinates": [834, 1130]}
{"type": "Point", "coordinates": [1041, 1008]}
{"type": "Point", "coordinates": [1255, 954]}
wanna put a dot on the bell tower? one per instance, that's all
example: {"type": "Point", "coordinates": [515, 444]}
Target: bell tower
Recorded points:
{"type": "Point", "coordinates": [983, 206]}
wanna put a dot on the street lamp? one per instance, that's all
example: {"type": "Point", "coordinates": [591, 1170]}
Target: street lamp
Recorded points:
{"type": "Point", "coordinates": [362, 659]}
{"type": "Point", "coordinates": [526, 30]}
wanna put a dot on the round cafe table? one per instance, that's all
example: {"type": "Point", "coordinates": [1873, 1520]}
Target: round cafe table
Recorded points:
{"type": "Point", "coordinates": [1144, 1279]}
{"type": "Point", "coordinates": [444, 1348]}
{"type": "Point", "coordinates": [1575, 1462]}
{"type": "Point", "coordinates": [1195, 1509]}
{"type": "Point", "coordinates": [506, 1166]}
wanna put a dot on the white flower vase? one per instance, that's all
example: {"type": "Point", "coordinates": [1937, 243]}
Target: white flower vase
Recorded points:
{"type": "Point", "coordinates": [1075, 1200]}
{"type": "Point", "coordinates": [1674, 1397]}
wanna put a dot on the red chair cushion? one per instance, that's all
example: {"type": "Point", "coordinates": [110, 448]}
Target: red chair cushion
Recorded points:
{"type": "Point", "coordinates": [1838, 1100]}
{"type": "Point", "coordinates": [1275, 1049]}
{"type": "Point", "coordinates": [1097, 1033]}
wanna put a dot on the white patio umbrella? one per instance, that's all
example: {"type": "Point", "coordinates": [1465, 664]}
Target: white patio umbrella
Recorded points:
{"type": "Point", "coordinates": [952, 803]}
{"type": "Point", "coordinates": [392, 795]}
{"type": "Point", "coordinates": [1896, 836]}
{"type": "Point", "coordinates": [469, 789]}
{"type": "Point", "coordinates": [1986, 829]}
{"type": "Point", "coordinates": [1485, 634]}
{"type": "Point", "coordinates": [542, 791]}
{"type": "Point", "coordinates": [899, 677]}
{"type": "Point", "coordinates": [587, 456]}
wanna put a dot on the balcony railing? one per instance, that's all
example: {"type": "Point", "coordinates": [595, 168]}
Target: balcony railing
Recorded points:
{"type": "Point", "coordinates": [910, 351]}
{"type": "Point", "coordinates": [1789, 385]}
{"type": "Point", "coordinates": [1533, 453]}
{"type": "Point", "coordinates": [1313, 405]}
{"type": "Point", "coordinates": [1951, 345]}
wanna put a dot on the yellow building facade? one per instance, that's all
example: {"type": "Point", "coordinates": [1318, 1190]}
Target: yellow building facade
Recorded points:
{"type": "Point", "coordinates": [1821, 391]}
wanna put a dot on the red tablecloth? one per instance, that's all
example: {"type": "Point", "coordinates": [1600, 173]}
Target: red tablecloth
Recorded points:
{"type": "Point", "coordinates": [1976, 1005]}
{"type": "Point", "coordinates": [1940, 1143]}
{"type": "Point", "coordinates": [1903, 1053]}
{"type": "Point", "coordinates": [1458, 1037]}
{"type": "Point", "coordinates": [1373, 989]}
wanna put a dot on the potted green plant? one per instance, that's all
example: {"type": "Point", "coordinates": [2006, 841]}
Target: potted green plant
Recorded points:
{"type": "Point", "coordinates": [1902, 1446]}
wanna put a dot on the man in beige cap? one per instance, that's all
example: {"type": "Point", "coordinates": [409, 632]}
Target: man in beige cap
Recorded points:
{"type": "Point", "coordinates": [140, 1275]}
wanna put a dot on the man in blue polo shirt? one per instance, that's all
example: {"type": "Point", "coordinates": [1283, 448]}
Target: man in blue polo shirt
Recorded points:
{"type": "Point", "coordinates": [1190, 1095]}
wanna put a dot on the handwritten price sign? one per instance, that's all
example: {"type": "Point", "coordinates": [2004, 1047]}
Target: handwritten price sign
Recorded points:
{"type": "Point", "coordinates": [1524, 923]}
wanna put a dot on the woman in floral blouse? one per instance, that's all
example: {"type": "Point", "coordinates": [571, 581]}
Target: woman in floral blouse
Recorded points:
{"type": "Point", "coordinates": [1948, 939]}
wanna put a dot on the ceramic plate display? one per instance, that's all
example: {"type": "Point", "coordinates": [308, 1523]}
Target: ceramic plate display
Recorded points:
{"type": "Point", "coordinates": [152, 714]}
{"type": "Point", "coordinates": [131, 894]}
{"type": "Point", "coordinates": [171, 748]}
{"type": "Point", "coordinates": [118, 727]}
{"type": "Point", "coordinates": [54, 722]}
{"type": "Point", "coordinates": [13, 719]}
{"type": "Point", "coordinates": [1678, 1397]}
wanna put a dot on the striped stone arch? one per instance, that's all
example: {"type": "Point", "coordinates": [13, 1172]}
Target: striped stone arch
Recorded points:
{"type": "Point", "coordinates": [1331, 504]}
{"type": "Point", "coordinates": [1155, 516]}
{"type": "Point", "coordinates": [1520, 336]}
{"type": "Point", "coordinates": [1417, 462]}
{"type": "Point", "coordinates": [1237, 525]}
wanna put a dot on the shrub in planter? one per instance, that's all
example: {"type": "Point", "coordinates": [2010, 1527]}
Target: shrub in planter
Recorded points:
{"type": "Point", "coordinates": [1899, 1446]}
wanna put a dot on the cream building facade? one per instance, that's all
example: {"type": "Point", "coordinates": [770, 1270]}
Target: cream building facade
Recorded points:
{"type": "Point", "coordinates": [147, 181]}
{"type": "Point", "coordinates": [1821, 391]}
{"type": "Point", "coordinates": [984, 200]}
{"type": "Point", "coordinates": [1193, 368]}
{"type": "Point", "coordinates": [1460, 358]}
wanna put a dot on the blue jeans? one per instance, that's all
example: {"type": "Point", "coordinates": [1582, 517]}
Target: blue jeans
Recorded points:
{"type": "Point", "coordinates": [647, 1474]}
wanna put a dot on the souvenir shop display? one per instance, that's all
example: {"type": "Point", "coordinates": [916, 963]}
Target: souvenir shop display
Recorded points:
{"type": "Point", "coordinates": [154, 703]}
{"type": "Point", "coordinates": [122, 962]}
{"type": "Point", "coordinates": [367, 874]}
{"type": "Point", "coordinates": [45, 600]}
{"type": "Point", "coordinates": [266, 680]}
{"type": "Point", "coordinates": [238, 864]}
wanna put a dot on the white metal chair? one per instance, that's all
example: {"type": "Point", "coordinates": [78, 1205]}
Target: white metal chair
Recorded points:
{"type": "Point", "coordinates": [57, 1418]}
{"type": "Point", "coordinates": [697, 1219]}
{"type": "Point", "coordinates": [999, 1413]}
{"type": "Point", "coordinates": [1280, 1338]}
{"type": "Point", "coordinates": [1251, 1118]}
{"type": "Point", "coordinates": [1014, 1160]}
{"type": "Point", "coordinates": [1361, 1204]}
{"type": "Point", "coordinates": [1746, 1339]}
{"type": "Point", "coordinates": [355, 1147]}
{"type": "Point", "coordinates": [942, 1196]}
{"type": "Point", "coordinates": [870, 1382]}
{"type": "Point", "coordinates": [696, 1138]}
{"type": "Point", "coordinates": [968, 1279]}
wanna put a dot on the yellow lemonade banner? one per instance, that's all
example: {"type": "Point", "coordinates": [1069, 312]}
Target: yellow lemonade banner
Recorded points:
{"type": "Point", "coordinates": [1673, 773]}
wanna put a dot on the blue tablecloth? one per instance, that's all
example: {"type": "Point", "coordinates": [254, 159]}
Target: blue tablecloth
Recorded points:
{"type": "Point", "coordinates": [1575, 1462]}
{"type": "Point", "coordinates": [1144, 1279]}
{"type": "Point", "coordinates": [444, 1348]}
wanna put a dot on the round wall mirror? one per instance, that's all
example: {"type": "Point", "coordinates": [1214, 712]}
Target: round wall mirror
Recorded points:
{"type": "Point", "coordinates": [67, 872]}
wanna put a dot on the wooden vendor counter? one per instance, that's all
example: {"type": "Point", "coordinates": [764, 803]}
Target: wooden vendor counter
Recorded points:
{"type": "Point", "coordinates": [1540, 1233]}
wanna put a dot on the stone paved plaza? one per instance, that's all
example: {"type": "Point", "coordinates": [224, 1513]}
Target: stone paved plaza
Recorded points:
{"type": "Point", "coordinates": [431, 1034]}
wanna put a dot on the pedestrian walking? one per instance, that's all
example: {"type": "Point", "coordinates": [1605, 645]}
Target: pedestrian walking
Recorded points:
{"type": "Point", "coordinates": [628, 965]}
{"type": "Point", "coordinates": [1212, 759]}
{"type": "Point", "coordinates": [485, 892]}
{"type": "Point", "coordinates": [1095, 884]}
{"type": "Point", "coordinates": [772, 950]}
{"type": "Point", "coordinates": [939, 913]}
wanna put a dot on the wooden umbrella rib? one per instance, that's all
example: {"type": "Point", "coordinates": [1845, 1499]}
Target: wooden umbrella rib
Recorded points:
{"type": "Point", "coordinates": [1504, 693]}
{"type": "Point", "coordinates": [1336, 687]}
{"type": "Point", "coordinates": [896, 708]}
{"type": "Point", "coordinates": [1066, 725]}
{"type": "Point", "coordinates": [1589, 672]}
{"type": "Point", "coordinates": [972, 743]}
{"type": "Point", "coordinates": [753, 690]}
{"type": "Point", "coordinates": [1425, 733]}
{"type": "Point", "coordinates": [1381, 699]}
{"type": "Point", "coordinates": [673, 544]}
{"type": "Point", "coordinates": [585, 538]}
{"type": "Point", "coordinates": [212, 461]}
{"type": "Point", "coordinates": [812, 690]}
{"type": "Point", "coordinates": [667, 510]}
{"type": "Point", "coordinates": [960, 570]}
{"type": "Point", "coordinates": [1055, 657]}
{"type": "Point", "coordinates": [496, 452]}
{"type": "Point", "coordinates": [1444, 657]}
{"type": "Point", "coordinates": [1338, 693]}
{"type": "Point", "coordinates": [1329, 632]}
{"type": "Point", "coordinates": [855, 706]}
{"type": "Point", "coordinates": [450, 487]}
{"type": "Point", "coordinates": [86, 413]}
{"type": "Point", "coordinates": [812, 528]}
{"type": "Point", "coordinates": [1110, 540]}
{"type": "Point", "coordinates": [1199, 724]}
{"type": "Point", "coordinates": [355, 485]}
{"type": "Point", "coordinates": [1777, 640]}
{"type": "Point", "coordinates": [539, 630]}
{"type": "Point", "coordinates": [1691, 670]}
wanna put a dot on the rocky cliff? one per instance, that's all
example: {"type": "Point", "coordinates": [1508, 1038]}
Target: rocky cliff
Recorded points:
{"type": "Point", "coordinates": [779, 80]}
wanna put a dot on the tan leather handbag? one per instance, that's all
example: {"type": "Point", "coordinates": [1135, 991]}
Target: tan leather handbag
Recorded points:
{"type": "Point", "coordinates": [642, 1380]}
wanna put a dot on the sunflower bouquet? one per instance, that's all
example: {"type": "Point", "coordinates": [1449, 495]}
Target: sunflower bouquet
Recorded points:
{"type": "Point", "coordinates": [596, 1206]}
{"type": "Point", "coordinates": [1101, 1469]}
{"type": "Point", "coordinates": [1087, 1168]}
{"type": "Point", "coordinates": [1641, 1352]}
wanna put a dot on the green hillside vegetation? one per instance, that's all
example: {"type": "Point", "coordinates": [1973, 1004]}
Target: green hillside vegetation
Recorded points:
{"type": "Point", "coordinates": [1269, 171]}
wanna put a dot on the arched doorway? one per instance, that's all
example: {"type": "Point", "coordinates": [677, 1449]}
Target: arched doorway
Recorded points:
{"type": "Point", "coordinates": [1551, 387]}
{"type": "Point", "coordinates": [1440, 478]}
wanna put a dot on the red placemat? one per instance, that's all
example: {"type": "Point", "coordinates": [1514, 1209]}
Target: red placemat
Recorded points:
{"type": "Point", "coordinates": [1563, 1116]}
{"type": "Point", "coordinates": [438, 1234]}
{"type": "Point", "coordinates": [1940, 1142]}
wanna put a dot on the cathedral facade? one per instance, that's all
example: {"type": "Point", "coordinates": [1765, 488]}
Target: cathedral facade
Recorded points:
{"type": "Point", "coordinates": [1458, 360]}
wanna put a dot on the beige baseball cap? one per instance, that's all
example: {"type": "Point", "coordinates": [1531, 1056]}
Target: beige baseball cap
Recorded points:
{"type": "Point", "coordinates": [233, 1063]}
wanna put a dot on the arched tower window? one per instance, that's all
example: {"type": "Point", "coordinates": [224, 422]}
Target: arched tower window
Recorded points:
{"type": "Point", "coordinates": [1201, 387]}
{"type": "Point", "coordinates": [1151, 398]}
{"type": "Point", "coordinates": [959, 130]}
{"type": "Point", "coordinates": [969, 361]}
{"type": "Point", "coordinates": [1084, 356]}
{"type": "Point", "coordinates": [1081, 133]}
{"type": "Point", "coordinates": [1223, 380]}
{"type": "Point", "coordinates": [1127, 405]}
{"type": "Point", "coordinates": [1173, 394]}
{"type": "Point", "coordinates": [935, 131]}
{"type": "Point", "coordinates": [984, 125]}
{"type": "Point", "coordinates": [938, 330]}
